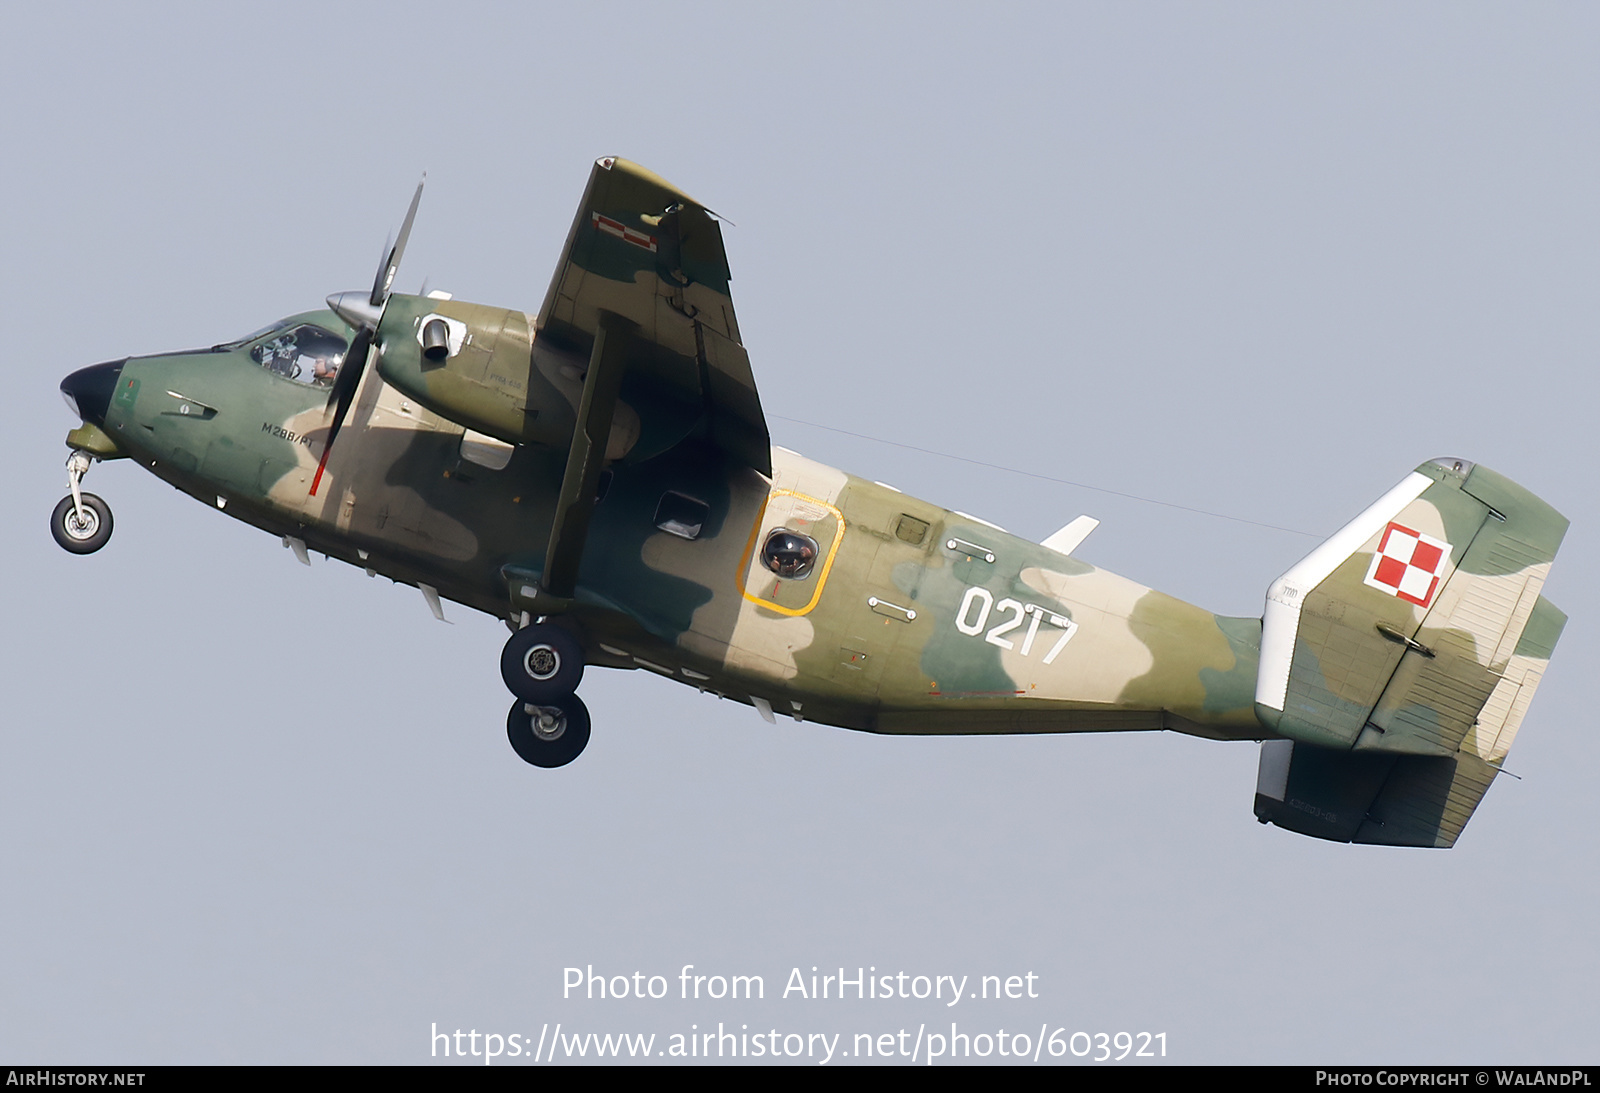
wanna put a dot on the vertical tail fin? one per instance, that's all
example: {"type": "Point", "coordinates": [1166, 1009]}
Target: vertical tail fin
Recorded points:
{"type": "Point", "coordinates": [1399, 657]}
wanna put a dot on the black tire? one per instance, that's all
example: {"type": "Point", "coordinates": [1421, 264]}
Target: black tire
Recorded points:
{"type": "Point", "coordinates": [542, 664]}
{"type": "Point", "coordinates": [85, 536]}
{"type": "Point", "coordinates": [551, 735]}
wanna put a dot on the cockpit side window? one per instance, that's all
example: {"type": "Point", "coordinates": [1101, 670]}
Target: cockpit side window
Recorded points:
{"type": "Point", "coordinates": [305, 353]}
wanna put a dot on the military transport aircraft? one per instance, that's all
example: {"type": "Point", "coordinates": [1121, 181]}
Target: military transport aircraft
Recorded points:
{"type": "Point", "coordinates": [600, 476]}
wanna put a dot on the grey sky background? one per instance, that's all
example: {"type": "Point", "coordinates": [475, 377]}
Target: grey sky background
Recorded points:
{"type": "Point", "coordinates": [1256, 259]}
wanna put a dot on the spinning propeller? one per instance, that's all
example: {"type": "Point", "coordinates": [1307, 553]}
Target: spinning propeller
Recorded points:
{"type": "Point", "coordinates": [363, 311]}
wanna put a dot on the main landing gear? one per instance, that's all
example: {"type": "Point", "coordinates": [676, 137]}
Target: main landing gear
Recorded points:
{"type": "Point", "coordinates": [549, 736]}
{"type": "Point", "coordinates": [81, 523]}
{"type": "Point", "coordinates": [542, 665]}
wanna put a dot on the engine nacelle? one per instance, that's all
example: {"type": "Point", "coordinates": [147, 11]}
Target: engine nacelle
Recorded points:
{"type": "Point", "coordinates": [482, 368]}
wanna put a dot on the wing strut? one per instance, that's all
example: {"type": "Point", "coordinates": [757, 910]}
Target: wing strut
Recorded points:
{"type": "Point", "coordinates": [586, 458]}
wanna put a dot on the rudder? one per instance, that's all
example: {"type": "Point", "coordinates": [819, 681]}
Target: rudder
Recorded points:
{"type": "Point", "coordinates": [1399, 657]}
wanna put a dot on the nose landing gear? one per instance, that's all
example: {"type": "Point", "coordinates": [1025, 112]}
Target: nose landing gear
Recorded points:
{"type": "Point", "coordinates": [542, 665]}
{"type": "Point", "coordinates": [81, 523]}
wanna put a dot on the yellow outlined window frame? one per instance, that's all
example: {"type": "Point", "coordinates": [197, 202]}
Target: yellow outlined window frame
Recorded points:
{"type": "Point", "coordinates": [823, 570]}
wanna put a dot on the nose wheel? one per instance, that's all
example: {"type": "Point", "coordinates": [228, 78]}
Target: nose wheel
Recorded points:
{"type": "Point", "coordinates": [81, 522]}
{"type": "Point", "coordinates": [84, 527]}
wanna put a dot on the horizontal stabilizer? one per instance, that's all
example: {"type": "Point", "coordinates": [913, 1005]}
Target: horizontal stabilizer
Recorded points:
{"type": "Point", "coordinates": [1369, 797]}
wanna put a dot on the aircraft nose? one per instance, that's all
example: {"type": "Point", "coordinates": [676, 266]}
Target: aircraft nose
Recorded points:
{"type": "Point", "coordinates": [88, 390]}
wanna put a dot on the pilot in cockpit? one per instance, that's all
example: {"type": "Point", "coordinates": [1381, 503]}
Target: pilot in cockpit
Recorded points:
{"type": "Point", "coordinates": [307, 354]}
{"type": "Point", "coordinates": [325, 370]}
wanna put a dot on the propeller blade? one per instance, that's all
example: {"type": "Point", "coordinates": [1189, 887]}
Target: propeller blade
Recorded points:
{"type": "Point", "coordinates": [344, 382]}
{"type": "Point", "coordinates": [343, 393]}
{"type": "Point", "coordinates": [391, 266]}
{"type": "Point", "coordinates": [347, 306]}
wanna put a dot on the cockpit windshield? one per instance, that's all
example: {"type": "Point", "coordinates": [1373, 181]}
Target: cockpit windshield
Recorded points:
{"type": "Point", "coordinates": [248, 338]}
{"type": "Point", "coordinates": [303, 352]}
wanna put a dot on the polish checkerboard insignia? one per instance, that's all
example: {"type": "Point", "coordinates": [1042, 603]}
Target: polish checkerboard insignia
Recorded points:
{"type": "Point", "coordinates": [1408, 564]}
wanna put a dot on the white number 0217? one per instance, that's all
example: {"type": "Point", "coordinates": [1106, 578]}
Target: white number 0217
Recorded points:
{"type": "Point", "coordinates": [978, 604]}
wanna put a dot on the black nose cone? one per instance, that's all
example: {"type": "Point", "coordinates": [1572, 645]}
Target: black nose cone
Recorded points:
{"type": "Point", "coordinates": [89, 390]}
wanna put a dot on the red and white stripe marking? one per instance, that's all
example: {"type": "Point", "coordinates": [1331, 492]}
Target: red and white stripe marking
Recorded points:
{"type": "Point", "coordinates": [623, 232]}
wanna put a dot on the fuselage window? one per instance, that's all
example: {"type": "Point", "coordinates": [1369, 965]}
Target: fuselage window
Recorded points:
{"type": "Point", "coordinates": [681, 516]}
{"type": "Point", "coordinates": [305, 353]}
{"type": "Point", "coordinates": [789, 554]}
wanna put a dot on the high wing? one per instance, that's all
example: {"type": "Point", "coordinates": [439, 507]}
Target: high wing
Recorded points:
{"type": "Point", "coordinates": [645, 252]}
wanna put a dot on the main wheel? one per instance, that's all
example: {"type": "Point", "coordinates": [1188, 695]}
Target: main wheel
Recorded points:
{"type": "Point", "coordinates": [549, 736]}
{"type": "Point", "coordinates": [85, 534]}
{"type": "Point", "coordinates": [542, 664]}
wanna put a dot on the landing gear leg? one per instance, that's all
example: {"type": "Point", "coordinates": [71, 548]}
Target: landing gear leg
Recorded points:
{"type": "Point", "coordinates": [549, 735]}
{"type": "Point", "coordinates": [81, 523]}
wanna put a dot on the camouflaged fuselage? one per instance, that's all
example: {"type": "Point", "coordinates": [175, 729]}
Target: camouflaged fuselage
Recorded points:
{"type": "Point", "coordinates": [914, 619]}
{"type": "Point", "coordinates": [606, 465]}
